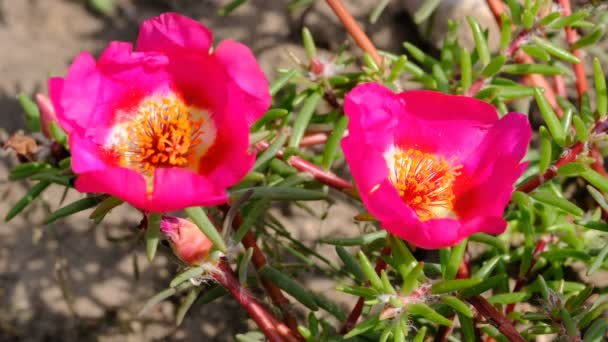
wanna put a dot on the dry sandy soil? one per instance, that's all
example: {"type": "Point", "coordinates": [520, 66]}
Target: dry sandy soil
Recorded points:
{"type": "Point", "coordinates": [68, 281]}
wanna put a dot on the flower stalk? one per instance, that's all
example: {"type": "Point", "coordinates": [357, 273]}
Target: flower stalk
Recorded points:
{"type": "Point", "coordinates": [259, 261]}
{"type": "Point", "coordinates": [274, 330]}
{"type": "Point", "coordinates": [496, 318]}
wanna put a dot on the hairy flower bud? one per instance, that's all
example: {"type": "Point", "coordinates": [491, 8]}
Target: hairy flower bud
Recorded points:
{"type": "Point", "coordinates": [47, 113]}
{"type": "Point", "coordinates": [189, 244]}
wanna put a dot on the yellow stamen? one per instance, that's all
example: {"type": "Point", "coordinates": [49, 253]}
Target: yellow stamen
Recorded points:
{"type": "Point", "coordinates": [424, 182]}
{"type": "Point", "coordinates": [162, 134]}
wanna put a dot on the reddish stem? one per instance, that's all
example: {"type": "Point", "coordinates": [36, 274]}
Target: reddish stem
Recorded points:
{"type": "Point", "coordinates": [270, 326]}
{"type": "Point", "coordinates": [353, 317]}
{"type": "Point", "coordinates": [598, 161]}
{"type": "Point", "coordinates": [521, 57]}
{"type": "Point", "coordinates": [523, 281]}
{"type": "Point", "coordinates": [560, 85]}
{"type": "Point", "coordinates": [325, 177]}
{"type": "Point", "coordinates": [259, 260]}
{"type": "Point", "coordinates": [496, 318]}
{"type": "Point", "coordinates": [354, 30]}
{"type": "Point", "coordinates": [497, 7]}
{"type": "Point", "coordinates": [579, 68]}
{"type": "Point", "coordinates": [313, 139]}
{"type": "Point", "coordinates": [568, 156]}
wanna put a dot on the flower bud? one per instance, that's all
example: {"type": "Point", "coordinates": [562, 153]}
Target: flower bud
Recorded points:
{"type": "Point", "coordinates": [189, 244]}
{"type": "Point", "coordinates": [47, 113]}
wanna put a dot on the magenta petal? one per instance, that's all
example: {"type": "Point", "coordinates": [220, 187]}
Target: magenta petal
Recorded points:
{"type": "Point", "coordinates": [448, 125]}
{"type": "Point", "coordinates": [85, 155]}
{"type": "Point", "coordinates": [125, 184]}
{"type": "Point", "coordinates": [433, 105]}
{"type": "Point", "coordinates": [78, 93]}
{"type": "Point", "coordinates": [244, 71]}
{"type": "Point", "coordinates": [366, 163]}
{"type": "Point", "coordinates": [97, 101]}
{"type": "Point", "coordinates": [430, 234]}
{"type": "Point", "coordinates": [491, 172]}
{"type": "Point", "coordinates": [172, 33]}
{"type": "Point", "coordinates": [55, 91]}
{"type": "Point", "coordinates": [228, 159]}
{"type": "Point", "coordinates": [373, 113]}
{"type": "Point", "coordinates": [177, 188]}
{"type": "Point", "coordinates": [488, 149]}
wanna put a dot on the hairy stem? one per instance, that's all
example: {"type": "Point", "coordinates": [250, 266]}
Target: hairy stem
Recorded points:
{"type": "Point", "coordinates": [496, 318]}
{"type": "Point", "coordinates": [274, 292]}
{"type": "Point", "coordinates": [270, 326]}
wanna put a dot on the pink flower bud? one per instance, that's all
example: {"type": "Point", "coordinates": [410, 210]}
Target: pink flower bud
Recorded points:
{"type": "Point", "coordinates": [189, 244]}
{"type": "Point", "coordinates": [47, 113]}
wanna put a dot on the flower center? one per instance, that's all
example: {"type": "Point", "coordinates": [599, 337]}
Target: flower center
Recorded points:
{"type": "Point", "coordinates": [424, 181]}
{"type": "Point", "coordinates": [165, 133]}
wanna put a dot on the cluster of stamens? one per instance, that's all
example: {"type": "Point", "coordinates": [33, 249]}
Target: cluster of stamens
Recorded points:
{"type": "Point", "coordinates": [424, 181]}
{"type": "Point", "coordinates": [163, 134]}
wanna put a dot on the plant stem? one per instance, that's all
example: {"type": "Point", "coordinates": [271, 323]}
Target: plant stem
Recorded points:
{"type": "Point", "coordinates": [259, 260]}
{"type": "Point", "coordinates": [354, 30]}
{"type": "Point", "coordinates": [319, 174]}
{"type": "Point", "coordinates": [497, 7]}
{"type": "Point", "coordinates": [355, 313]}
{"type": "Point", "coordinates": [568, 156]}
{"type": "Point", "coordinates": [521, 57]}
{"type": "Point", "coordinates": [579, 68]}
{"type": "Point", "coordinates": [270, 326]}
{"type": "Point", "coordinates": [496, 318]}
{"type": "Point", "coordinates": [313, 139]}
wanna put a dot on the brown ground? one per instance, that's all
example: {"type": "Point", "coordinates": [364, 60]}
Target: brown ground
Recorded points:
{"type": "Point", "coordinates": [68, 281]}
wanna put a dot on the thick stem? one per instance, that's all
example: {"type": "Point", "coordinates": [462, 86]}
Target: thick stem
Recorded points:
{"type": "Point", "coordinates": [270, 326]}
{"type": "Point", "coordinates": [319, 174]}
{"type": "Point", "coordinates": [354, 30]}
{"type": "Point", "coordinates": [259, 260]}
{"type": "Point", "coordinates": [497, 7]}
{"type": "Point", "coordinates": [496, 318]}
{"type": "Point", "coordinates": [582, 85]}
{"type": "Point", "coordinates": [521, 57]}
{"type": "Point", "coordinates": [568, 156]}
{"type": "Point", "coordinates": [353, 317]}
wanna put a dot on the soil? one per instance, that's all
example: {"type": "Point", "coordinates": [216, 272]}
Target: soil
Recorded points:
{"type": "Point", "coordinates": [74, 280]}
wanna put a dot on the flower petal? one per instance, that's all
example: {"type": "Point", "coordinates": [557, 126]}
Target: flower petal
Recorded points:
{"type": "Point", "coordinates": [444, 124]}
{"type": "Point", "coordinates": [227, 161]}
{"type": "Point", "coordinates": [172, 33]}
{"type": "Point", "coordinates": [120, 182]}
{"type": "Point", "coordinates": [244, 71]}
{"type": "Point", "coordinates": [373, 112]}
{"type": "Point", "coordinates": [490, 173]}
{"type": "Point", "coordinates": [176, 188]}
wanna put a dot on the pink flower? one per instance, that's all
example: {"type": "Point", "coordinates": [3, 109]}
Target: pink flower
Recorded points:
{"type": "Point", "coordinates": [433, 168]}
{"type": "Point", "coordinates": [188, 243]}
{"type": "Point", "coordinates": [166, 126]}
{"type": "Point", "coordinates": [47, 113]}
